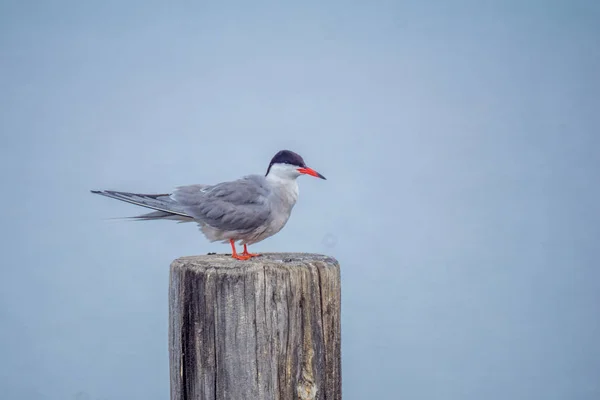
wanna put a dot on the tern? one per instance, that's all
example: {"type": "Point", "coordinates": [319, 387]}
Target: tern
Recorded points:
{"type": "Point", "coordinates": [247, 210]}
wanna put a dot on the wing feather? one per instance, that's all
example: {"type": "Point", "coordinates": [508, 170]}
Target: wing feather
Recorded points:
{"type": "Point", "coordinates": [240, 205]}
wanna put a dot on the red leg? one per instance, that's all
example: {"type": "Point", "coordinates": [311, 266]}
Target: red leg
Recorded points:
{"type": "Point", "coordinates": [249, 255]}
{"type": "Point", "coordinates": [234, 253]}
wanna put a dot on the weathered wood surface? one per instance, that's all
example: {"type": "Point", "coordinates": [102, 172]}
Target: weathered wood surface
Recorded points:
{"type": "Point", "coordinates": [266, 328]}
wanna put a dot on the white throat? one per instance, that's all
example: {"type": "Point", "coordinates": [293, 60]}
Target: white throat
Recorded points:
{"type": "Point", "coordinates": [282, 178]}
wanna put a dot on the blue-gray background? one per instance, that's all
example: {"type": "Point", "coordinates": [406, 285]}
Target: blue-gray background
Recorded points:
{"type": "Point", "coordinates": [460, 140]}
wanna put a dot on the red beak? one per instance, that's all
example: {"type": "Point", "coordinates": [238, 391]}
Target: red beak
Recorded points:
{"type": "Point", "coordinates": [311, 172]}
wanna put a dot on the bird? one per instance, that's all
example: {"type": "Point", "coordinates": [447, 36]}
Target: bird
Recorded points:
{"type": "Point", "coordinates": [246, 210]}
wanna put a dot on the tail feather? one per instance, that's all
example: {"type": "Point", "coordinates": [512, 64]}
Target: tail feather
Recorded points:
{"type": "Point", "coordinates": [156, 215]}
{"type": "Point", "coordinates": [165, 206]}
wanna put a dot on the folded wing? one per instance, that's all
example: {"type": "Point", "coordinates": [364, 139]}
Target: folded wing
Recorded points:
{"type": "Point", "coordinates": [240, 205]}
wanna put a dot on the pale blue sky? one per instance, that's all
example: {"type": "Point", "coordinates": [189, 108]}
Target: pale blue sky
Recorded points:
{"type": "Point", "coordinates": [459, 139]}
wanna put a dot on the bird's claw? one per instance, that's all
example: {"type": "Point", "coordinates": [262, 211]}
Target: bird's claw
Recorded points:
{"type": "Point", "coordinates": [250, 255]}
{"type": "Point", "coordinates": [245, 254]}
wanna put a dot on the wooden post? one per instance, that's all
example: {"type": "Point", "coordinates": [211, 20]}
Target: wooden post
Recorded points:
{"type": "Point", "coordinates": [267, 328]}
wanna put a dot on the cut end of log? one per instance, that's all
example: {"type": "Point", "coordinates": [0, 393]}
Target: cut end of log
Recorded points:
{"type": "Point", "coordinates": [226, 261]}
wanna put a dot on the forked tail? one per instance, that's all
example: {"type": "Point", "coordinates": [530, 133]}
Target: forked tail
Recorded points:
{"type": "Point", "coordinates": [165, 206]}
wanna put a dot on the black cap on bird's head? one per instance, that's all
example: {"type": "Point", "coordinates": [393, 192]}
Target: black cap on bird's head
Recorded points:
{"type": "Point", "coordinates": [295, 160]}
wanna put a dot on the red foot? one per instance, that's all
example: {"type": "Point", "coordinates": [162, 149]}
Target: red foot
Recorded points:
{"type": "Point", "coordinates": [249, 255]}
{"type": "Point", "coordinates": [244, 256]}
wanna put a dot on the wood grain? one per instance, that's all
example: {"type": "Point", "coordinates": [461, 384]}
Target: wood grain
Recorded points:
{"type": "Point", "coordinates": [266, 328]}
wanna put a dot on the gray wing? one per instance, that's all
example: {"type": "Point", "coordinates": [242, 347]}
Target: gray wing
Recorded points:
{"type": "Point", "coordinates": [240, 205]}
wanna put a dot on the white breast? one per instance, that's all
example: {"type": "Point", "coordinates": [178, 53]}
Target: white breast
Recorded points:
{"type": "Point", "coordinates": [283, 197]}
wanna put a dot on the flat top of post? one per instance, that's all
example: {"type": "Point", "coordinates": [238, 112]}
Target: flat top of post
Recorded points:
{"type": "Point", "coordinates": [226, 261]}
